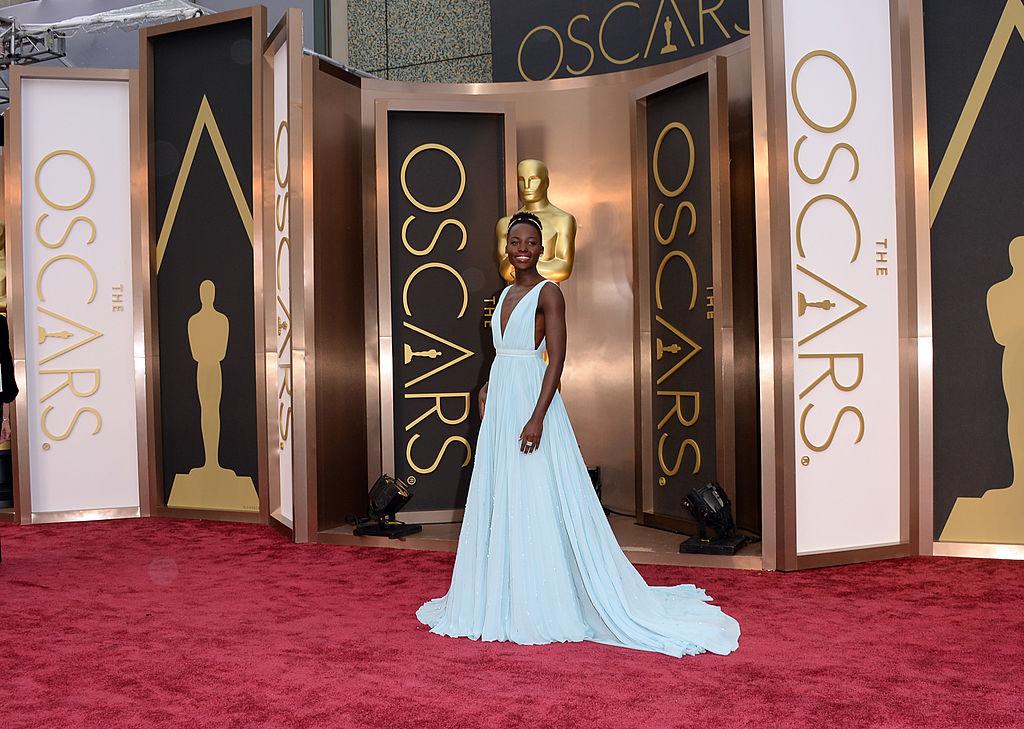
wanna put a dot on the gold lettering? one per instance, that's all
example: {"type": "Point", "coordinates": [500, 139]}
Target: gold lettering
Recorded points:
{"type": "Point", "coordinates": [711, 12]}
{"type": "Point", "coordinates": [281, 211]}
{"type": "Point", "coordinates": [65, 257]}
{"type": "Point", "coordinates": [69, 382]}
{"type": "Point", "coordinates": [694, 348]}
{"type": "Point", "coordinates": [665, 240]}
{"type": "Point", "coordinates": [438, 397]}
{"type": "Point", "coordinates": [844, 205]}
{"type": "Point", "coordinates": [661, 270]}
{"type": "Point", "coordinates": [831, 371]}
{"type": "Point", "coordinates": [96, 334]}
{"type": "Point", "coordinates": [689, 442]}
{"type": "Point", "coordinates": [88, 168]}
{"type": "Point", "coordinates": [828, 163]}
{"type": "Point", "coordinates": [835, 426]}
{"type": "Point", "coordinates": [74, 421]}
{"type": "Point", "coordinates": [600, 34]}
{"type": "Point", "coordinates": [67, 231]}
{"type": "Point", "coordinates": [796, 96]}
{"type": "Point", "coordinates": [433, 467]}
{"type": "Point", "coordinates": [286, 384]}
{"type": "Point", "coordinates": [458, 163]}
{"type": "Point", "coordinates": [657, 151]}
{"type": "Point", "coordinates": [561, 53]}
{"type": "Point", "coordinates": [677, 409]}
{"type": "Point", "coordinates": [858, 305]}
{"type": "Point", "coordinates": [577, 41]}
{"type": "Point", "coordinates": [282, 245]}
{"type": "Point", "coordinates": [282, 132]}
{"type": "Point", "coordinates": [437, 338]}
{"type": "Point", "coordinates": [656, 24]}
{"type": "Point", "coordinates": [437, 234]}
{"type": "Point", "coordinates": [284, 416]}
{"type": "Point", "coordinates": [445, 267]}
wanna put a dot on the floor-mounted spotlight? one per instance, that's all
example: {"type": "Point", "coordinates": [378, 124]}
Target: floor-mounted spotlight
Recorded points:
{"type": "Point", "coordinates": [711, 507]}
{"type": "Point", "coordinates": [387, 497]}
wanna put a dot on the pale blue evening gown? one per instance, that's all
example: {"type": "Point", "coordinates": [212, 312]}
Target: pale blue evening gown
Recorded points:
{"type": "Point", "coordinates": [537, 561]}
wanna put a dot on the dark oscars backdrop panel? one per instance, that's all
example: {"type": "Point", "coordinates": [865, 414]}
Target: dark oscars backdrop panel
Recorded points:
{"type": "Point", "coordinates": [208, 237]}
{"type": "Point", "coordinates": [981, 212]}
{"type": "Point", "coordinates": [681, 275]}
{"type": "Point", "coordinates": [446, 192]}
{"type": "Point", "coordinates": [539, 39]}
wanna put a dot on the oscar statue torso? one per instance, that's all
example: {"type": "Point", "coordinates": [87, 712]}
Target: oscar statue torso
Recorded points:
{"type": "Point", "coordinates": [208, 337]}
{"type": "Point", "coordinates": [559, 226]}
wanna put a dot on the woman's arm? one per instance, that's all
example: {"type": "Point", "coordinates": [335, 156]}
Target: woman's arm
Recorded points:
{"type": "Point", "coordinates": [8, 385]}
{"type": "Point", "coordinates": [552, 303]}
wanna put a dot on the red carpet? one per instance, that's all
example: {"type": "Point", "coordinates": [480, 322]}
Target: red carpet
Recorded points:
{"type": "Point", "coordinates": [154, 622]}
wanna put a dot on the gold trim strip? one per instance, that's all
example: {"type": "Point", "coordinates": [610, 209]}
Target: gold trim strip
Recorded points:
{"type": "Point", "coordinates": [56, 517]}
{"type": "Point", "coordinates": [981, 551]}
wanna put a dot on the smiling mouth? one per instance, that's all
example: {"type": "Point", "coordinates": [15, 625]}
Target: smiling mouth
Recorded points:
{"type": "Point", "coordinates": [522, 259]}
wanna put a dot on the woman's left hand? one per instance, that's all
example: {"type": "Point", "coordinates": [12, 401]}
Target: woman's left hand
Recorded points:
{"type": "Point", "coordinates": [529, 439]}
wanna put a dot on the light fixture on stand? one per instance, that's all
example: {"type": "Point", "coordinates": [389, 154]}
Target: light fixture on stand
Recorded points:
{"type": "Point", "coordinates": [711, 507]}
{"type": "Point", "coordinates": [387, 497]}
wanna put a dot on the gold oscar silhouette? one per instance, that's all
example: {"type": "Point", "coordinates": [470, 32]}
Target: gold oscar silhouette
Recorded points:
{"type": "Point", "coordinates": [559, 226]}
{"type": "Point", "coordinates": [409, 353]}
{"type": "Point", "coordinates": [671, 349]}
{"type": "Point", "coordinates": [211, 486]}
{"type": "Point", "coordinates": [998, 516]}
{"type": "Point", "coordinates": [802, 304]}
{"type": "Point", "coordinates": [669, 46]}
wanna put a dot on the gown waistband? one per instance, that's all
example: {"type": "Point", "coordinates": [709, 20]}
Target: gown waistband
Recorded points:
{"type": "Point", "coordinates": [502, 352]}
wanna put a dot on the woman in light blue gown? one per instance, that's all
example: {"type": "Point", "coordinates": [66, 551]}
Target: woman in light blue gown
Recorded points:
{"type": "Point", "coordinates": [537, 561]}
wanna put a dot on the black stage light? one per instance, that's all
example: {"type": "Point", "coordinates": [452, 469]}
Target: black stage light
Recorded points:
{"type": "Point", "coordinates": [387, 497]}
{"type": "Point", "coordinates": [711, 507]}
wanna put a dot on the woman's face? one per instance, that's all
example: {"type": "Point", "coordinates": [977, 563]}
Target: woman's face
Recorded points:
{"type": "Point", "coordinates": [523, 246]}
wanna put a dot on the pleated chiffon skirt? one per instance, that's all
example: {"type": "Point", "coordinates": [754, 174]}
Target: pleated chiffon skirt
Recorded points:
{"type": "Point", "coordinates": [537, 561]}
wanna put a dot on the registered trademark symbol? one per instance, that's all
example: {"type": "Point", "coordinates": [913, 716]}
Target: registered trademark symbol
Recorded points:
{"type": "Point", "coordinates": [805, 461]}
{"type": "Point", "coordinates": [46, 446]}
{"type": "Point", "coordinates": [411, 480]}
{"type": "Point", "coordinates": [662, 481]}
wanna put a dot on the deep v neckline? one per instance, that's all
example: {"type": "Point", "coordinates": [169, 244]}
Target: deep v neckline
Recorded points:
{"type": "Point", "coordinates": [503, 328]}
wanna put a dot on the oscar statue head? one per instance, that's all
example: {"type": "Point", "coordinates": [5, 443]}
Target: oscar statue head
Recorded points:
{"type": "Point", "coordinates": [1017, 253]}
{"type": "Point", "coordinates": [533, 180]}
{"type": "Point", "coordinates": [207, 292]}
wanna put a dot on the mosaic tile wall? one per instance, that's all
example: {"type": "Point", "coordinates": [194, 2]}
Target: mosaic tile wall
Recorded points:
{"type": "Point", "coordinates": [442, 41]}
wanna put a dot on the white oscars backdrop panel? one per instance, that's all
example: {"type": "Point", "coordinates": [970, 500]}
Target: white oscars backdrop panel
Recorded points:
{"type": "Point", "coordinates": [842, 189]}
{"type": "Point", "coordinates": [79, 332]}
{"type": "Point", "coordinates": [282, 206]}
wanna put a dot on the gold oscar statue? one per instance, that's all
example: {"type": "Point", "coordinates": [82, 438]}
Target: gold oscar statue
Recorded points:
{"type": "Point", "coordinates": [211, 486]}
{"type": "Point", "coordinates": [669, 46]}
{"type": "Point", "coordinates": [998, 516]}
{"type": "Point", "coordinates": [559, 226]}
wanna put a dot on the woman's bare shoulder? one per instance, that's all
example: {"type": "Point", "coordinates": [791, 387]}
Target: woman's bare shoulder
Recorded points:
{"type": "Point", "coordinates": [551, 295]}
